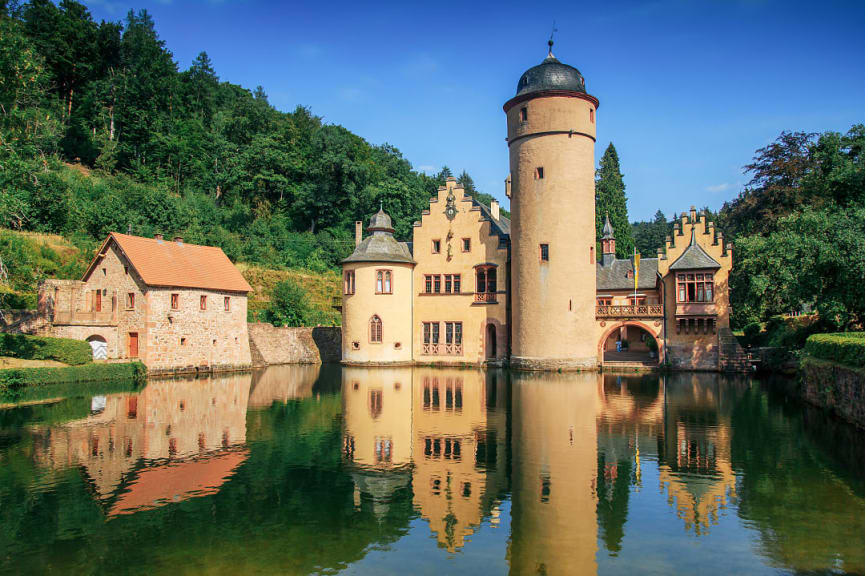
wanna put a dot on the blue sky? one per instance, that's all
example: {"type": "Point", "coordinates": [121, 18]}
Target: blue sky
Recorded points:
{"type": "Point", "coordinates": [688, 89]}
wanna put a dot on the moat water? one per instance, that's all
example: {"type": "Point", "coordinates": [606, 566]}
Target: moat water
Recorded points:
{"type": "Point", "coordinates": [330, 470]}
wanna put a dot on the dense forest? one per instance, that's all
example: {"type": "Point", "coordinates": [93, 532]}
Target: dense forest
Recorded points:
{"type": "Point", "coordinates": [101, 131]}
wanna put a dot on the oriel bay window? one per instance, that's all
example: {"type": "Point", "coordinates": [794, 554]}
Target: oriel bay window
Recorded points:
{"type": "Point", "coordinates": [383, 282]}
{"type": "Point", "coordinates": [486, 284]}
{"type": "Point", "coordinates": [693, 287]}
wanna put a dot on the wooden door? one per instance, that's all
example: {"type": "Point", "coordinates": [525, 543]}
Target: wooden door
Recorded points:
{"type": "Point", "coordinates": [133, 345]}
{"type": "Point", "coordinates": [491, 341]}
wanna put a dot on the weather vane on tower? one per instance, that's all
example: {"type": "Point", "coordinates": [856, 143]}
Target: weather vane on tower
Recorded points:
{"type": "Point", "coordinates": [552, 33]}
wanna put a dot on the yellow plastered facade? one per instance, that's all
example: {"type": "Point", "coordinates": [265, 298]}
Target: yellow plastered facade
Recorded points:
{"type": "Point", "coordinates": [477, 316]}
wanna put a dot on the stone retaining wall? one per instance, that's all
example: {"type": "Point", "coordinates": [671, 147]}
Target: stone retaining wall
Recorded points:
{"type": "Point", "coordinates": [835, 387]}
{"type": "Point", "coordinates": [272, 345]}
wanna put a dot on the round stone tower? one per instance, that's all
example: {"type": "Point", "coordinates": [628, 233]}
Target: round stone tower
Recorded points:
{"type": "Point", "coordinates": [551, 137]}
{"type": "Point", "coordinates": [377, 298]}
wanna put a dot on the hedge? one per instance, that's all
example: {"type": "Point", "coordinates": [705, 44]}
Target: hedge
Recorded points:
{"type": "Point", "coordinates": [844, 348]}
{"type": "Point", "coordinates": [66, 350]}
{"type": "Point", "coordinates": [13, 379]}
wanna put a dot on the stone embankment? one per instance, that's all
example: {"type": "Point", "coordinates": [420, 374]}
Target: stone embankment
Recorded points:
{"type": "Point", "coordinates": [271, 345]}
{"type": "Point", "coordinates": [835, 387]}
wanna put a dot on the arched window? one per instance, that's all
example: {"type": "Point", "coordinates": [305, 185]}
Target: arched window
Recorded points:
{"type": "Point", "coordinates": [375, 330]}
{"type": "Point", "coordinates": [383, 283]}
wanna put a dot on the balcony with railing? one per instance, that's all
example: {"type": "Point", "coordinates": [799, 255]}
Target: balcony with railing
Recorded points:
{"type": "Point", "coordinates": [486, 297]}
{"type": "Point", "coordinates": [630, 311]}
{"type": "Point", "coordinates": [83, 318]}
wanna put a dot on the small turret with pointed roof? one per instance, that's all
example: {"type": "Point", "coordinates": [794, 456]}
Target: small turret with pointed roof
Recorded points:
{"type": "Point", "coordinates": [608, 243]}
{"type": "Point", "coordinates": [380, 245]}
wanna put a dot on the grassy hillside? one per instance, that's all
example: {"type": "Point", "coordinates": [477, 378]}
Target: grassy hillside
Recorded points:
{"type": "Point", "coordinates": [28, 258]}
{"type": "Point", "coordinates": [322, 289]}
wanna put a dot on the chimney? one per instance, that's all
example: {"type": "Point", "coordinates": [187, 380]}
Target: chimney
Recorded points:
{"type": "Point", "coordinates": [157, 237]}
{"type": "Point", "coordinates": [358, 233]}
{"type": "Point", "coordinates": [494, 208]}
{"type": "Point", "coordinates": [178, 239]}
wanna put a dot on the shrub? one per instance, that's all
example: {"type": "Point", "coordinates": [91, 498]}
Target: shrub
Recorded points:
{"type": "Point", "coordinates": [843, 348]}
{"type": "Point", "coordinates": [64, 350]}
{"type": "Point", "coordinates": [289, 305]}
{"type": "Point", "coordinates": [752, 333]}
{"type": "Point", "coordinates": [14, 379]}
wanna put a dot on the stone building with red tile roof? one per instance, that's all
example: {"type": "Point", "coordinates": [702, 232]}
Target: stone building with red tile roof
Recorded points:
{"type": "Point", "coordinates": [176, 307]}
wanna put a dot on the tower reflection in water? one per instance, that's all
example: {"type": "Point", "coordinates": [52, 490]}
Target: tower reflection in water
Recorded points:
{"type": "Point", "coordinates": [441, 432]}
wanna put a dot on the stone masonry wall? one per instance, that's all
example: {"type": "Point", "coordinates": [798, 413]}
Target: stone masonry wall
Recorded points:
{"type": "Point", "coordinates": [272, 345]}
{"type": "Point", "coordinates": [834, 387]}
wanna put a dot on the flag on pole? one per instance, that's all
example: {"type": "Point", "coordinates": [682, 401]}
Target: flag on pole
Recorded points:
{"type": "Point", "coordinates": [636, 273]}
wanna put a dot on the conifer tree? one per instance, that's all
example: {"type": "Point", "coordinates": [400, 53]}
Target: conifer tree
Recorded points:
{"type": "Point", "coordinates": [610, 200]}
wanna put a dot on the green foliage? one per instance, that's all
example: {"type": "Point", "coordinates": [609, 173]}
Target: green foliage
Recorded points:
{"type": "Point", "coordinates": [651, 235]}
{"type": "Point", "coordinates": [751, 333]}
{"type": "Point", "coordinates": [289, 305]}
{"type": "Point", "coordinates": [610, 200]}
{"type": "Point", "coordinates": [839, 347]}
{"type": "Point", "coordinates": [12, 380]}
{"type": "Point", "coordinates": [27, 347]}
{"type": "Point", "coordinates": [816, 258]}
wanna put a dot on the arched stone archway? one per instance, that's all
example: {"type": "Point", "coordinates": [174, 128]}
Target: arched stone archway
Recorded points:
{"type": "Point", "coordinates": [99, 346]}
{"type": "Point", "coordinates": [652, 332]}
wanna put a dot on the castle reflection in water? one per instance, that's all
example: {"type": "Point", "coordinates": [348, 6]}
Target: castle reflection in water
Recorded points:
{"type": "Point", "coordinates": [566, 449]}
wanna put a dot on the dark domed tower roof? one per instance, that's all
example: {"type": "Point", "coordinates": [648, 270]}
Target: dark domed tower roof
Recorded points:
{"type": "Point", "coordinates": [550, 78]}
{"type": "Point", "coordinates": [551, 75]}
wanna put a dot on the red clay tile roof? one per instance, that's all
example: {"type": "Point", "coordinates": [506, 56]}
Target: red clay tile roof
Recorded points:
{"type": "Point", "coordinates": [181, 265]}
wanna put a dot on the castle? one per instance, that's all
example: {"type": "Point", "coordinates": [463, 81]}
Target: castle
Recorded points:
{"type": "Point", "coordinates": [474, 287]}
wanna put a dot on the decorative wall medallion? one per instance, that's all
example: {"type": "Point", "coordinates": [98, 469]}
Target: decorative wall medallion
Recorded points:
{"type": "Point", "coordinates": [657, 322]}
{"type": "Point", "coordinates": [603, 323]}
